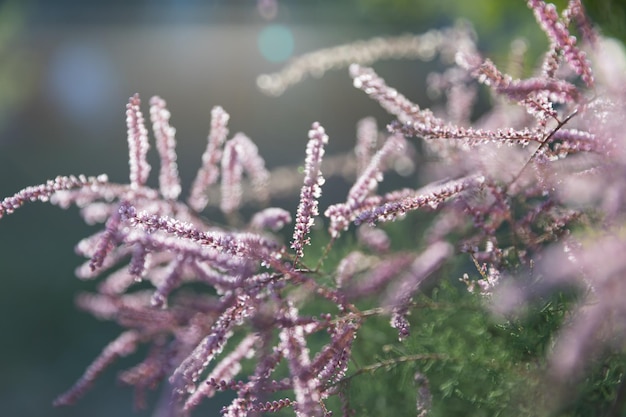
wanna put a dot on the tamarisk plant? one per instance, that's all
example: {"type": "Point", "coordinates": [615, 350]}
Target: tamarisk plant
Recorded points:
{"type": "Point", "coordinates": [517, 192]}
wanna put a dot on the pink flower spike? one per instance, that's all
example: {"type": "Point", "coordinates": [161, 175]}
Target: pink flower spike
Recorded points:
{"type": "Point", "coordinates": [187, 373]}
{"type": "Point", "coordinates": [390, 99]}
{"type": "Point", "coordinates": [108, 239]}
{"type": "Point", "coordinates": [169, 182]}
{"type": "Point", "coordinates": [45, 191]}
{"type": "Point", "coordinates": [232, 172]}
{"type": "Point", "coordinates": [253, 164]}
{"type": "Point", "coordinates": [272, 218]}
{"type": "Point", "coordinates": [342, 214]}
{"type": "Point", "coordinates": [311, 190]}
{"type": "Point", "coordinates": [296, 351]}
{"type": "Point", "coordinates": [558, 34]}
{"type": "Point", "coordinates": [228, 367]}
{"type": "Point", "coordinates": [137, 143]}
{"type": "Point", "coordinates": [209, 172]}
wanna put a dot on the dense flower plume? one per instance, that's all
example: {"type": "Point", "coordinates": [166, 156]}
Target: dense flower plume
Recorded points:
{"type": "Point", "coordinates": [516, 193]}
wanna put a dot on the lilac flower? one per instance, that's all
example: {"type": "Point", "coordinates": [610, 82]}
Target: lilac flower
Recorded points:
{"type": "Point", "coordinates": [171, 281]}
{"type": "Point", "coordinates": [501, 206]}
{"type": "Point", "coordinates": [399, 295]}
{"type": "Point", "coordinates": [139, 261]}
{"type": "Point", "coordinates": [169, 182]}
{"type": "Point", "coordinates": [240, 154]}
{"type": "Point", "coordinates": [389, 98]}
{"type": "Point", "coordinates": [224, 371]}
{"type": "Point", "coordinates": [379, 276]}
{"type": "Point", "coordinates": [349, 266]}
{"type": "Point", "coordinates": [253, 164]}
{"type": "Point", "coordinates": [576, 11]}
{"type": "Point", "coordinates": [424, 396]}
{"type": "Point", "coordinates": [208, 173]}
{"type": "Point", "coordinates": [297, 354]}
{"type": "Point", "coordinates": [407, 46]}
{"type": "Point", "coordinates": [107, 241]}
{"type": "Point", "coordinates": [232, 172]}
{"type": "Point", "coordinates": [187, 373]}
{"type": "Point", "coordinates": [240, 244]}
{"type": "Point", "coordinates": [341, 215]}
{"type": "Point", "coordinates": [558, 34]}
{"type": "Point", "coordinates": [137, 143]}
{"type": "Point", "coordinates": [375, 239]}
{"type": "Point", "coordinates": [311, 190]}
{"type": "Point", "coordinates": [332, 360]}
{"type": "Point", "coordinates": [45, 191]}
{"type": "Point", "coordinates": [272, 218]}
{"type": "Point", "coordinates": [396, 204]}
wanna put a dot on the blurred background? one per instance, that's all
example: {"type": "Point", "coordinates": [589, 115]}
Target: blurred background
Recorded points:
{"type": "Point", "coordinates": [67, 69]}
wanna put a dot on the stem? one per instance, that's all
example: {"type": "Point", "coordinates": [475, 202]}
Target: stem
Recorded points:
{"type": "Point", "coordinates": [392, 362]}
{"type": "Point", "coordinates": [541, 146]}
{"type": "Point", "coordinates": [324, 254]}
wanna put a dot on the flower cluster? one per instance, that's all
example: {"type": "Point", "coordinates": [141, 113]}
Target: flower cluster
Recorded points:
{"type": "Point", "coordinates": [514, 192]}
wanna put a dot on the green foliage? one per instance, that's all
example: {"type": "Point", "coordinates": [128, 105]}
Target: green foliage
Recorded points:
{"type": "Point", "coordinates": [610, 15]}
{"type": "Point", "coordinates": [475, 365]}
{"type": "Point", "coordinates": [469, 365]}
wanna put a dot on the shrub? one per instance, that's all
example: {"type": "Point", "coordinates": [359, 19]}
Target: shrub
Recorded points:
{"type": "Point", "coordinates": [523, 207]}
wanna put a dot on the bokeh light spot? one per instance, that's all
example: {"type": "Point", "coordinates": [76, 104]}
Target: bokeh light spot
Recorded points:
{"type": "Point", "coordinates": [82, 81]}
{"type": "Point", "coordinates": [276, 43]}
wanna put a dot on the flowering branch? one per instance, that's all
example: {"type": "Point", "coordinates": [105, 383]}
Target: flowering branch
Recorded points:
{"type": "Point", "coordinates": [311, 190]}
{"type": "Point", "coordinates": [506, 211]}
